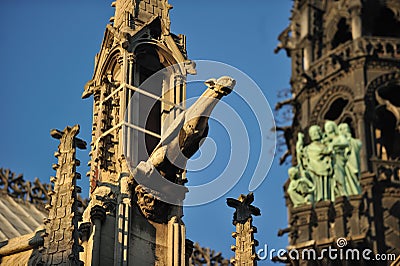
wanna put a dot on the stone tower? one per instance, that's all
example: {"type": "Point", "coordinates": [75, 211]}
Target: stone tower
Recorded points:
{"type": "Point", "coordinates": [119, 226]}
{"type": "Point", "coordinates": [345, 68]}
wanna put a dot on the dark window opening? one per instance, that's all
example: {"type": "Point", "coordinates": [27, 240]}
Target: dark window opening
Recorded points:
{"type": "Point", "coordinates": [342, 35]}
{"type": "Point", "coordinates": [391, 93]}
{"type": "Point", "coordinates": [386, 122]}
{"type": "Point", "coordinates": [336, 109]}
{"type": "Point", "coordinates": [148, 63]}
{"type": "Point", "coordinates": [386, 24]}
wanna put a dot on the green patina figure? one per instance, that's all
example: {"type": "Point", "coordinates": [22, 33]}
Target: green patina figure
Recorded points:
{"type": "Point", "coordinates": [352, 166]}
{"type": "Point", "coordinates": [316, 161]}
{"type": "Point", "coordinates": [338, 145]}
{"type": "Point", "coordinates": [300, 188]}
{"type": "Point", "coordinates": [328, 167]}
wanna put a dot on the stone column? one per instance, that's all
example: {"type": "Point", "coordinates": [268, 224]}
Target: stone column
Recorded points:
{"type": "Point", "coordinates": [368, 182]}
{"type": "Point", "coordinates": [308, 54]}
{"type": "Point", "coordinates": [97, 215]}
{"type": "Point", "coordinates": [176, 242]}
{"type": "Point", "coordinates": [123, 214]}
{"type": "Point", "coordinates": [356, 23]}
{"type": "Point", "coordinates": [359, 110]}
{"type": "Point", "coordinates": [127, 112]}
{"type": "Point", "coordinates": [342, 209]}
{"type": "Point", "coordinates": [357, 215]}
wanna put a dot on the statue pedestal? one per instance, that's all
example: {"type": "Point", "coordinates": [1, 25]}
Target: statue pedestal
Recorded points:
{"type": "Point", "coordinates": [342, 212]}
{"type": "Point", "coordinates": [356, 215]}
{"type": "Point", "coordinates": [323, 211]}
{"type": "Point", "coordinates": [304, 216]}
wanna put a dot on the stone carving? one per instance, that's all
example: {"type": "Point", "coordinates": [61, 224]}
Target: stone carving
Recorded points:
{"type": "Point", "coordinates": [300, 188]}
{"type": "Point", "coordinates": [145, 201]}
{"type": "Point", "coordinates": [242, 218]}
{"type": "Point", "coordinates": [244, 209]}
{"type": "Point", "coordinates": [206, 256]}
{"type": "Point", "coordinates": [61, 240]}
{"type": "Point", "coordinates": [151, 206]}
{"type": "Point", "coordinates": [181, 140]}
{"type": "Point", "coordinates": [285, 41]}
{"type": "Point", "coordinates": [315, 159]}
{"type": "Point", "coordinates": [328, 167]}
{"type": "Point", "coordinates": [336, 145]}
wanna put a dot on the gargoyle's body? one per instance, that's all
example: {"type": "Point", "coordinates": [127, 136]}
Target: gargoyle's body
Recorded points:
{"type": "Point", "coordinates": [183, 137]}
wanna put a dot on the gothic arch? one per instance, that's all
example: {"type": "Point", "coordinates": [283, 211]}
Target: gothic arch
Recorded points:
{"type": "Point", "coordinates": [380, 81]}
{"type": "Point", "coordinates": [334, 28]}
{"type": "Point", "coordinates": [383, 111]}
{"type": "Point", "coordinates": [162, 50]}
{"type": "Point", "coordinates": [332, 96]}
{"type": "Point", "coordinates": [156, 68]}
{"type": "Point", "coordinates": [110, 66]}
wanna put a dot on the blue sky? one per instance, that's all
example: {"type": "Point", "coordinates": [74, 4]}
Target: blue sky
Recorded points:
{"type": "Point", "coordinates": [47, 55]}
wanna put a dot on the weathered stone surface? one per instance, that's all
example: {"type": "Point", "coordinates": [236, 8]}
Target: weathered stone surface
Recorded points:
{"type": "Point", "coordinates": [61, 243]}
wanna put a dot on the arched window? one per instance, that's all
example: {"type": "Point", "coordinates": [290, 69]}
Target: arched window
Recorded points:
{"type": "Point", "coordinates": [336, 109]}
{"type": "Point", "coordinates": [342, 35]}
{"type": "Point", "coordinates": [152, 98]}
{"type": "Point", "coordinates": [386, 24]}
{"type": "Point", "coordinates": [387, 121]}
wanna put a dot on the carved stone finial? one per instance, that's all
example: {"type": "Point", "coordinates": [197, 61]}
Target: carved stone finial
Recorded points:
{"type": "Point", "coordinates": [245, 253]}
{"type": "Point", "coordinates": [244, 209]}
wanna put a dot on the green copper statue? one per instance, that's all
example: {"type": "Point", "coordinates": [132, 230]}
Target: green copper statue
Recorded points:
{"type": "Point", "coordinates": [337, 144]}
{"type": "Point", "coordinates": [300, 188]}
{"type": "Point", "coordinates": [352, 166]}
{"type": "Point", "coordinates": [316, 161]}
{"type": "Point", "coordinates": [328, 167]}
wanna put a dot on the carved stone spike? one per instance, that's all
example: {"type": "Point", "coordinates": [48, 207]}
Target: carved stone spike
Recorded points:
{"type": "Point", "coordinates": [244, 209]}
{"type": "Point", "coordinates": [64, 247]}
{"type": "Point", "coordinates": [244, 249]}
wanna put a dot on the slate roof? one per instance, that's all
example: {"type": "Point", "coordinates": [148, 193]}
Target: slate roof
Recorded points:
{"type": "Point", "coordinates": [18, 217]}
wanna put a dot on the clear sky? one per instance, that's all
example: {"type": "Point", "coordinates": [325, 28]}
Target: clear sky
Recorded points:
{"type": "Point", "coordinates": [47, 55]}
